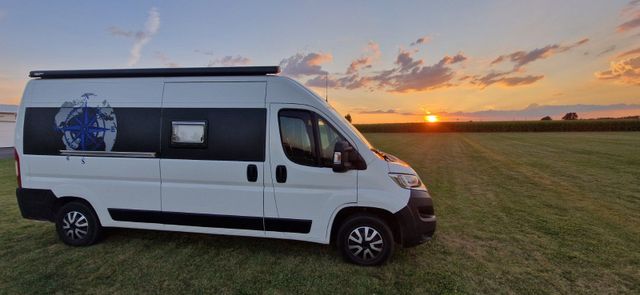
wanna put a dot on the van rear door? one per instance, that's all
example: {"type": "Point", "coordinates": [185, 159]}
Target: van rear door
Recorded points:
{"type": "Point", "coordinates": [213, 155]}
{"type": "Point", "coordinates": [96, 139]}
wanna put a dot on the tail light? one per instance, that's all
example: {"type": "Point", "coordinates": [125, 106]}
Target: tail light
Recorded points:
{"type": "Point", "coordinates": [17, 158]}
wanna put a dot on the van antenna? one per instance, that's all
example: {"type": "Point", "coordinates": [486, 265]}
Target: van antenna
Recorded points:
{"type": "Point", "coordinates": [326, 87]}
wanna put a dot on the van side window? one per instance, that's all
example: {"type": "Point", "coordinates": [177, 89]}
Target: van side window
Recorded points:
{"type": "Point", "coordinates": [328, 138]}
{"type": "Point", "coordinates": [189, 133]}
{"type": "Point", "coordinates": [296, 133]}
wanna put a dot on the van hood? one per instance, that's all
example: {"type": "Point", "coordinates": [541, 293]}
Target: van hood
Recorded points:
{"type": "Point", "coordinates": [395, 164]}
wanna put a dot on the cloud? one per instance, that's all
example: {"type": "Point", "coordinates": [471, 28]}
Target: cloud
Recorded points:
{"type": "Point", "coordinates": [115, 31]}
{"type": "Point", "coordinates": [205, 52]}
{"type": "Point", "coordinates": [632, 12]}
{"type": "Point", "coordinates": [389, 111]}
{"type": "Point", "coordinates": [407, 74]}
{"type": "Point", "coordinates": [348, 82]}
{"type": "Point", "coordinates": [631, 52]}
{"type": "Point", "coordinates": [140, 38]}
{"type": "Point", "coordinates": [229, 61]}
{"type": "Point", "coordinates": [449, 60]}
{"type": "Point", "coordinates": [606, 50]}
{"type": "Point", "coordinates": [406, 62]}
{"type": "Point", "coordinates": [502, 78]}
{"type": "Point", "coordinates": [359, 63]}
{"type": "Point", "coordinates": [421, 40]}
{"type": "Point", "coordinates": [372, 52]}
{"type": "Point", "coordinates": [321, 81]}
{"type": "Point", "coordinates": [166, 61]}
{"type": "Point", "coordinates": [630, 24]}
{"type": "Point", "coordinates": [414, 76]}
{"type": "Point", "coordinates": [305, 64]}
{"type": "Point", "coordinates": [626, 71]}
{"type": "Point", "coordinates": [516, 81]}
{"type": "Point", "coordinates": [521, 58]}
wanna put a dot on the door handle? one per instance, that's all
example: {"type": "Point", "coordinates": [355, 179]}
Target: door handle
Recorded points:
{"type": "Point", "coordinates": [252, 173]}
{"type": "Point", "coordinates": [281, 173]}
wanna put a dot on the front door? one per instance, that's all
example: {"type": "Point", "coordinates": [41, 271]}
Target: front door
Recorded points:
{"type": "Point", "coordinates": [306, 189]}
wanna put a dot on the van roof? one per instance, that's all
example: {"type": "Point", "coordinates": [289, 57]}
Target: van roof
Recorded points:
{"type": "Point", "coordinates": [157, 72]}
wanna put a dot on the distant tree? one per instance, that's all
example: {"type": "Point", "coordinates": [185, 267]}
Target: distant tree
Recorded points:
{"type": "Point", "coordinates": [546, 118]}
{"type": "Point", "coordinates": [348, 117]}
{"type": "Point", "coordinates": [570, 116]}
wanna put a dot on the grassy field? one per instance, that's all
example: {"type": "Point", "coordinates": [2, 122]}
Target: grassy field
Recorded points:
{"type": "Point", "coordinates": [518, 213]}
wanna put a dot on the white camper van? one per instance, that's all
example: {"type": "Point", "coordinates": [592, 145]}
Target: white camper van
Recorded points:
{"type": "Point", "coordinates": [233, 151]}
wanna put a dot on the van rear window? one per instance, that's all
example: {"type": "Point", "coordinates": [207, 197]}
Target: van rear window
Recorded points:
{"type": "Point", "coordinates": [189, 133]}
{"type": "Point", "coordinates": [230, 134]}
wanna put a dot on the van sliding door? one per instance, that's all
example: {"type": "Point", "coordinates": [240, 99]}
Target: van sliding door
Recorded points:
{"type": "Point", "coordinates": [212, 156]}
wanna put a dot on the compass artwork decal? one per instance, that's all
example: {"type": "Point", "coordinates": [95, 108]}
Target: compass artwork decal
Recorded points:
{"type": "Point", "coordinates": [87, 128]}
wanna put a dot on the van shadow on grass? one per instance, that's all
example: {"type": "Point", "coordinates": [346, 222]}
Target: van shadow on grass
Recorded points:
{"type": "Point", "coordinates": [223, 243]}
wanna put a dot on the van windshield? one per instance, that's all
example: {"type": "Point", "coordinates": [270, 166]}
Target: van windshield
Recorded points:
{"type": "Point", "coordinates": [342, 119]}
{"type": "Point", "coordinates": [350, 126]}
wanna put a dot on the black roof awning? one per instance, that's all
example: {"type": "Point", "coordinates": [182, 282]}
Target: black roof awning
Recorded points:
{"type": "Point", "coordinates": [157, 72]}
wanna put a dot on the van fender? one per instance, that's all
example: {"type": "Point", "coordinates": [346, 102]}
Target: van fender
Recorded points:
{"type": "Point", "coordinates": [82, 192]}
{"type": "Point", "coordinates": [327, 237]}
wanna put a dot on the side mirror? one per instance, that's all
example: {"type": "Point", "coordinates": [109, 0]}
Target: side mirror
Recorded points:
{"type": "Point", "coordinates": [345, 157]}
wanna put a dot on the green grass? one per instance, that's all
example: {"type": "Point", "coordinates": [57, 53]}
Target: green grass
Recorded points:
{"type": "Point", "coordinates": [517, 213]}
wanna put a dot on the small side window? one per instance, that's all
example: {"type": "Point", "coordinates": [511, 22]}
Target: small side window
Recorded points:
{"type": "Point", "coordinates": [328, 138]}
{"type": "Point", "coordinates": [189, 134]}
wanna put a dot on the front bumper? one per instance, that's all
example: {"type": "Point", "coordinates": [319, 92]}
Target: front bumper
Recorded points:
{"type": "Point", "coordinates": [417, 221]}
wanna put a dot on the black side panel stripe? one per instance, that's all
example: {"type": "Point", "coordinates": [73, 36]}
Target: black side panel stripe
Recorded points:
{"type": "Point", "coordinates": [212, 220]}
{"type": "Point", "coordinates": [233, 134]}
{"type": "Point", "coordinates": [287, 225]}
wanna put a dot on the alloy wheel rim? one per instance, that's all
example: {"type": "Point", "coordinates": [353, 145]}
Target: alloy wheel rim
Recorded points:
{"type": "Point", "coordinates": [365, 243]}
{"type": "Point", "coordinates": [75, 225]}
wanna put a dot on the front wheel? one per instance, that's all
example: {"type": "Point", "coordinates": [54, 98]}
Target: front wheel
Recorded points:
{"type": "Point", "coordinates": [77, 224]}
{"type": "Point", "coordinates": [365, 240]}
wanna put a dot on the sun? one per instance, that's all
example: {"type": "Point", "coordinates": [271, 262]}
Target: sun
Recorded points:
{"type": "Point", "coordinates": [431, 118]}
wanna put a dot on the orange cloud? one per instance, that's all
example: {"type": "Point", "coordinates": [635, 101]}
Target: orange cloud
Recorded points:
{"type": "Point", "coordinates": [626, 71]}
{"type": "Point", "coordinates": [630, 24]}
{"type": "Point", "coordinates": [502, 79]}
{"type": "Point", "coordinates": [372, 52]}
{"type": "Point", "coordinates": [629, 53]}
{"type": "Point", "coordinates": [630, 10]}
{"type": "Point", "coordinates": [521, 58]}
{"type": "Point", "coordinates": [409, 74]}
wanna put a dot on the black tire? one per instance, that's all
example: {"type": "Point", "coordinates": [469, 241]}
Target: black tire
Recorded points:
{"type": "Point", "coordinates": [77, 224]}
{"type": "Point", "coordinates": [359, 225]}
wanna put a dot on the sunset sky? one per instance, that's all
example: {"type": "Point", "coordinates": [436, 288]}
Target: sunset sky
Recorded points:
{"type": "Point", "coordinates": [385, 61]}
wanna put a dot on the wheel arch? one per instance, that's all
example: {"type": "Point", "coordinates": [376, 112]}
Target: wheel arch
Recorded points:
{"type": "Point", "coordinates": [61, 201]}
{"type": "Point", "coordinates": [342, 214]}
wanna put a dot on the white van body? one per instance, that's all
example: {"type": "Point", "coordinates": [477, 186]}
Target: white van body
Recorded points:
{"type": "Point", "coordinates": [174, 153]}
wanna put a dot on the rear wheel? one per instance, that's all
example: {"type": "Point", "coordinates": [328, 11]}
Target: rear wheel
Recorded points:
{"type": "Point", "coordinates": [365, 240]}
{"type": "Point", "coordinates": [77, 224]}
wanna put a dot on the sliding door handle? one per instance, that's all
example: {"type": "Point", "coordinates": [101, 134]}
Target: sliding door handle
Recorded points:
{"type": "Point", "coordinates": [252, 173]}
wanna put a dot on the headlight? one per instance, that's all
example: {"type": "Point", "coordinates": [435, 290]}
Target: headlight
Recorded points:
{"type": "Point", "coordinates": [407, 181]}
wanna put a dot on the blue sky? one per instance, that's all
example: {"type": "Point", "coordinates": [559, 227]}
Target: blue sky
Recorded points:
{"type": "Point", "coordinates": [91, 34]}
